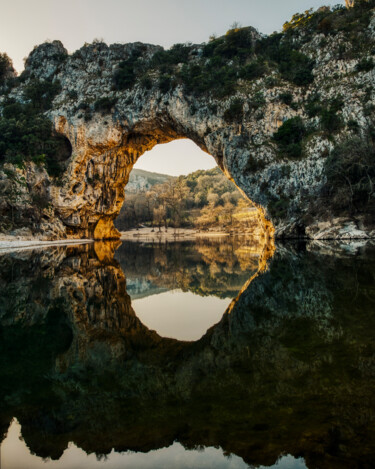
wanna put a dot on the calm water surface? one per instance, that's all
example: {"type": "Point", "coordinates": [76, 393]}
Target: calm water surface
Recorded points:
{"type": "Point", "coordinates": [207, 354]}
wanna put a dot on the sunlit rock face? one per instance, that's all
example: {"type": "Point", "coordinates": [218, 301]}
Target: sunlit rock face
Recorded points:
{"type": "Point", "coordinates": [106, 141]}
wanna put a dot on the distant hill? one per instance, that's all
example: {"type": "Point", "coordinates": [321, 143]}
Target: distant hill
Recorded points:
{"type": "Point", "coordinates": [203, 199]}
{"type": "Point", "coordinates": [141, 180]}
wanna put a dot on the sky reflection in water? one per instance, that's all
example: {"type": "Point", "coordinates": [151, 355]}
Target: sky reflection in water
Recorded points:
{"type": "Point", "coordinates": [15, 455]}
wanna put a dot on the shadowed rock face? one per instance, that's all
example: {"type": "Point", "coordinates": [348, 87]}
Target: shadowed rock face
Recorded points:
{"type": "Point", "coordinates": [288, 369]}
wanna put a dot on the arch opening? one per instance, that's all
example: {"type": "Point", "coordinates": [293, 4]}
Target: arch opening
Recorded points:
{"type": "Point", "coordinates": [178, 186]}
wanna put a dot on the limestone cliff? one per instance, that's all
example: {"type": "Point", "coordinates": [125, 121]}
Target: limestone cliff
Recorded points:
{"type": "Point", "coordinates": [115, 102]}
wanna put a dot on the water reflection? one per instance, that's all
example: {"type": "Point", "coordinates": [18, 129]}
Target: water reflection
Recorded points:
{"type": "Point", "coordinates": [289, 369]}
{"type": "Point", "coordinates": [207, 267]}
{"type": "Point", "coordinates": [175, 456]}
{"type": "Point", "coordinates": [181, 289]}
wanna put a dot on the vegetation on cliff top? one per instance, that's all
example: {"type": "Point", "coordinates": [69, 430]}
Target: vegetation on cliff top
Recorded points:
{"type": "Point", "coordinates": [216, 68]}
{"type": "Point", "coordinates": [5, 66]}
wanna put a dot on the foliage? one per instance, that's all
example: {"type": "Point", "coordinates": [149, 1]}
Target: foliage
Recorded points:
{"type": "Point", "coordinates": [5, 65]}
{"type": "Point", "coordinates": [236, 44]}
{"type": "Point", "coordinates": [125, 76]}
{"type": "Point", "coordinates": [217, 68]}
{"type": "Point", "coordinates": [42, 93]}
{"type": "Point", "coordinates": [254, 164]}
{"type": "Point", "coordinates": [26, 134]}
{"type": "Point", "coordinates": [202, 198]}
{"type": "Point", "coordinates": [289, 137]}
{"type": "Point", "coordinates": [218, 79]}
{"type": "Point", "coordinates": [278, 207]}
{"type": "Point", "coordinates": [165, 83]}
{"type": "Point", "coordinates": [13, 193]}
{"type": "Point", "coordinates": [331, 21]}
{"type": "Point", "coordinates": [235, 111]}
{"type": "Point", "coordinates": [365, 65]}
{"type": "Point", "coordinates": [313, 105]}
{"type": "Point", "coordinates": [293, 65]}
{"type": "Point", "coordinates": [350, 172]}
{"type": "Point", "coordinates": [253, 70]}
{"type": "Point", "coordinates": [353, 125]}
{"type": "Point", "coordinates": [104, 105]}
{"type": "Point", "coordinates": [330, 121]}
{"type": "Point", "coordinates": [178, 53]}
{"type": "Point", "coordinates": [286, 98]}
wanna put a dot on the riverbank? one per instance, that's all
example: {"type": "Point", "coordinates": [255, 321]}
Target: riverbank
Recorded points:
{"type": "Point", "coordinates": [181, 234]}
{"type": "Point", "coordinates": [16, 243]}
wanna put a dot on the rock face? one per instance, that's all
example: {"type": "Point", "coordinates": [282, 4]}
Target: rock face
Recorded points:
{"type": "Point", "coordinates": [107, 139]}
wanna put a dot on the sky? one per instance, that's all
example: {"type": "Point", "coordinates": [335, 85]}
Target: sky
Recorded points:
{"type": "Point", "coordinates": [26, 23]}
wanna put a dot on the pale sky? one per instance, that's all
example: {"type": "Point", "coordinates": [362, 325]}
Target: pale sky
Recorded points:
{"type": "Point", "coordinates": [26, 23]}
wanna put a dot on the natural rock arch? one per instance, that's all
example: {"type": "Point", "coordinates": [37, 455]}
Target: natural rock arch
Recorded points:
{"type": "Point", "coordinates": [107, 142]}
{"type": "Point", "coordinates": [104, 155]}
{"type": "Point", "coordinates": [115, 102]}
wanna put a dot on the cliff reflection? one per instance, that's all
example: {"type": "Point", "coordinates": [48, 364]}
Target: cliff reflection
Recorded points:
{"type": "Point", "coordinates": [290, 368]}
{"type": "Point", "coordinates": [205, 267]}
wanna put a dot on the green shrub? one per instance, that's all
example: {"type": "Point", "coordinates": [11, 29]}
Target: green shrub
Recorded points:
{"type": "Point", "coordinates": [125, 76]}
{"type": "Point", "coordinates": [350, 173]}
{"type": "Point", "coordinates": [237, 45]}
{"type": "Point", "coordinates": [313, 107]}
{"type": "Point", "coordinates": [221, 82]}
{"type": "Point", "coordinates": [42, 93]}
{"type": "Point", "coordinates": [254, 164]}
{"type": "Point", "coordinates": [365, 65]}
{"type": "Point", "coordinates": [286, 98]}
{"type": "Point", "coordinates": [5, 66]}
{"type": "Point", "coordinates": [278, 208]}
{"type": "Point", "coordinates": [84, 106]}
{"type": "Point", "coordinates": [330, 121]}
{"type": "Point", "coordinates": [27, 135]}
{"type": "Point", "coordinates": [178, 53]}
{"type": "Point", "coordinates": [353, 125]}
{"type": "Point", "coordinates": [104, 105]}
{"type": "Point", "coordinates": [336, 104]}
{"type": "Point", "coordinates": [293, 65]}
{"type": "Point", "coordinates": [146, 82]}
{"type": "Point", "coordinates": [235, 111]}
{"type": "Point", "coordinates": [257, 101]}
{"type": "Point", "coordinates": [73, 94]}
{"type": "Point", "coordinates": [289, 137]}
{"type": "Point", "coordinates": [253, 70]}
{"type": "Point", "coordinates": [328, 20]}
{"type": "Point", "coordinates": [165, 83]}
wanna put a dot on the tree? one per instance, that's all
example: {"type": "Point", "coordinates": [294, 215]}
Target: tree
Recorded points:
{"type": "Point", "coordinates": [159, 215]}
{"type": "Point", "coordinates": [6, 67]}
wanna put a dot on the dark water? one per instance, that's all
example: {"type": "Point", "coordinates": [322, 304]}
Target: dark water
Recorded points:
{"type": "Point", "coordinates": [284, 378]}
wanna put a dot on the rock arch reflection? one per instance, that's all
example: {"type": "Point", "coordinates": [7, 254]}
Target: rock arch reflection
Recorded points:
{"type": "Point", "coordinates": [289, 371]}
